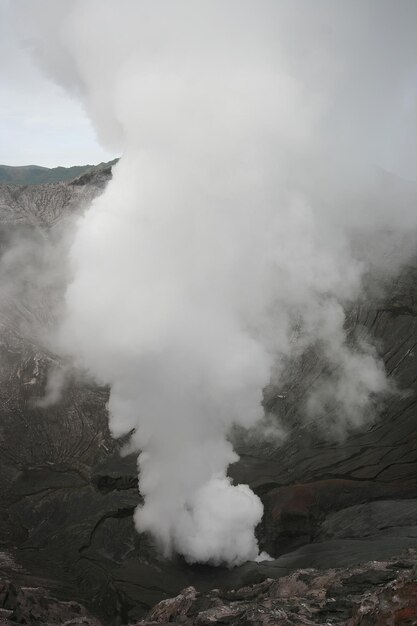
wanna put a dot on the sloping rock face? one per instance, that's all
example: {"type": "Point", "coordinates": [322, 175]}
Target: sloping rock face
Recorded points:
{"type": "Point", "coordinates": [377, 593]}
{"type": "Point", "coordinates": [67, 497]}
{"type": "Point", "coordinates": [34, 605]}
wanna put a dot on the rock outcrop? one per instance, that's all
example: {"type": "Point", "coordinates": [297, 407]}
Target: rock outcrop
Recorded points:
{"type": "Point", "coordinates": [376, 593]}
{"type": "Point", "coordinates": [34, 605]}
{"type": "Point", "coordinates": [382, 593]}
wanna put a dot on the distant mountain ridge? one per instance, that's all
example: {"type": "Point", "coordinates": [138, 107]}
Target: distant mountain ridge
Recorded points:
{"type": "Point", "coordinates": [37, 175]}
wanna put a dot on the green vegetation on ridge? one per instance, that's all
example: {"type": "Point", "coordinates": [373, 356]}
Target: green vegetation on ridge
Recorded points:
{"type": "Point", "coordinates": [36, 175]}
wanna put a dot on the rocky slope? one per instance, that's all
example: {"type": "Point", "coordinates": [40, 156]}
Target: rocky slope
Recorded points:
{"type": "Point", "coordinates": [379, 592]}
{"type": "Point", "coordinates": [374, 593]}
{"type": "Point", "coordinates": [67, 497]}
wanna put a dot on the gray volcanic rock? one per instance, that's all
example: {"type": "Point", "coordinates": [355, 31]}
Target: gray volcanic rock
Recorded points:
{"type": "Point", "coordinates": [34, 605]}
{"type": "Point", "coordinates": [377, 592]}
{"type": "Point", "coordinates": [67, 497]}
{"type": "Point", "coordinates": [43, 205]}
{"type": "Point", "coordinates": [382, 593]}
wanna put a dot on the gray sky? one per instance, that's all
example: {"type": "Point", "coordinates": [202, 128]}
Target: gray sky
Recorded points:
{"type": "Point", "coordinates": [39, 122]}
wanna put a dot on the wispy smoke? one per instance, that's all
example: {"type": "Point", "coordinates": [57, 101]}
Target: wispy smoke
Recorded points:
{"type": "Point", "coordinates": [255, 137]}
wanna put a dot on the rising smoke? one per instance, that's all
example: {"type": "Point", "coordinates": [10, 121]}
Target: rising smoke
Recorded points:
{"type": "Point", "coordinates": [255, 140]}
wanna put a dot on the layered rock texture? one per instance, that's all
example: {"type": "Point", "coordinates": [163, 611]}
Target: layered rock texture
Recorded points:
{"type": "Point", "coordinates": [333, 504]}
{"type": "Point", "coordinates": [374, 593]}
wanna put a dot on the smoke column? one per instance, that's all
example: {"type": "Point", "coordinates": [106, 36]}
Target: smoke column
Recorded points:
{"type": "Point", "coordinates": [254, 140]}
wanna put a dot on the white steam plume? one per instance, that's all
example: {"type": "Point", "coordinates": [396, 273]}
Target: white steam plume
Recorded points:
{"type": "Point", "coordinates": [254, 139]}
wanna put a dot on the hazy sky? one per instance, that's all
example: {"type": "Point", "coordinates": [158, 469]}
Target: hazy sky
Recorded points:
{"type": "Point", "coordinates": [39, 122]}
